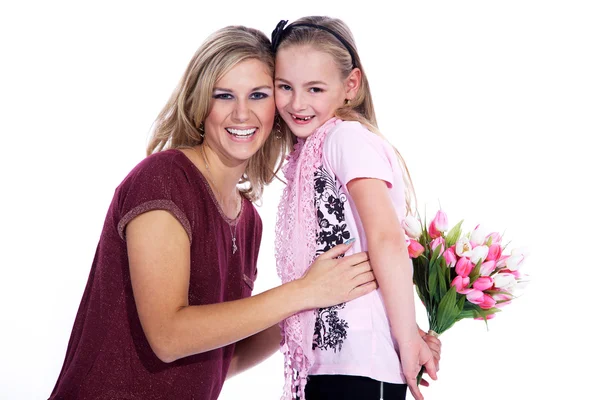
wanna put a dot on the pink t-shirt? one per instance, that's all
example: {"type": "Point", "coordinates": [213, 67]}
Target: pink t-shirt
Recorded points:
{"type": "Point", "coordinates": [354, 338]}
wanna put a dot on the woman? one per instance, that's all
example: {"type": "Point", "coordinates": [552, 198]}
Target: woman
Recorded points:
{"type": "Point", "coordinates": [167, 311]}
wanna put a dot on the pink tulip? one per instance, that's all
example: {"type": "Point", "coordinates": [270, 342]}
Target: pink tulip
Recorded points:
{"type": "Point", "coordinates": [494, 253]}
{"type": "Point", "coordinates": [483, 300]}
{"type": "Point", "coordinates": [502, 299]}
{"type": "Point", "coordinates": [501, 262]}
{"type": "Point", "coordinates": [483, 283]}
{"type": "Point", "coordinates": [464, 266]}
{"type": "Point", "coordinates": [438, 225]}
{"type": "Point", "coordinates": [450, 257]}
{"type": "Point", "coordinates": [438, 242]}
{"type": "Point", "coordinates": [461, 284]}
{"type": "Point", "coordinates": [488, 302]}
{"type": "Point", "coordinates": [475, 296]}
{"type": "Point", "coordinates": [487, 268]}
{"type": "Point", "coordinates": [496, 237]}
{"type": "Point", "coordinates": [487, 317]}
{"type": "Point", "coordinates": [415, 249]}
{"type": "Point", "coordinates": [516, 274]}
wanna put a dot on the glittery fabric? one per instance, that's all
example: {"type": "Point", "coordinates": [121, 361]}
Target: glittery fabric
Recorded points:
{"type": "Point", "coordinates": [108, 356]}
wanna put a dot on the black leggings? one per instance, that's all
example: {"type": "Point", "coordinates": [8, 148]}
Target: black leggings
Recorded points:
{"type": "Point", "coordinates": [347, 387]}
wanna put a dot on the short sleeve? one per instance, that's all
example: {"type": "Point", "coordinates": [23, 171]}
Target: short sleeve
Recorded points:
{"type": "Point", "coordinates": [157, 183]}
{"type": "Point", "coordinates": [353, 151]}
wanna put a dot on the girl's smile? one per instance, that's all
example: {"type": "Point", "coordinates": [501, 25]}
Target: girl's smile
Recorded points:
{"type": "Point", "coordinates": [308, 88]}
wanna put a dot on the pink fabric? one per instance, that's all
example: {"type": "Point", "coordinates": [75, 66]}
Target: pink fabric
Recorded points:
{"type": "Point", "coordinates": [351, 151]}
{"type": "Point", "coordinates": [295, 251]}
{"type": "Point", "coordinates": [340, 151]}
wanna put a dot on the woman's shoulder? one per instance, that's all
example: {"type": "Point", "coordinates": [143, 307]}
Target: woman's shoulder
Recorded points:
{"type": "Point", "coordinates": [163, 161]}
{"type": "Point", "coordinates": [162, 172]}
{"type": "Point", "coordinates": [166, 164]}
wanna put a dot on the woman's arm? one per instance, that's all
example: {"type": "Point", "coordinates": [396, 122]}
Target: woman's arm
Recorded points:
{"type": "Point", "coordinates": [393, 269]}
{"type": "Point", "coordinates": [254, 350]}
{"type": "Point", "coordinates": [159, 263]}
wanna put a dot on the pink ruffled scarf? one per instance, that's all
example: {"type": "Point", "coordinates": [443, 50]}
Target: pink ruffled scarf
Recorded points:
{"type": "Point", "coordinates": [295, 249]}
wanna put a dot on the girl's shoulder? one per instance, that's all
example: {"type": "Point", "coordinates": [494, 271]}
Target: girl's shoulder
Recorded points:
{"type": "Point", "coordinates": [353, 134]}
{"type": "Point", "coordinates": [349, 127]}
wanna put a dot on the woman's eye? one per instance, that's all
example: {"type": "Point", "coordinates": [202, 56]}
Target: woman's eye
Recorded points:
{"type": "Point", "coordinates": [285, 87]}
{"type": "Point", "coordinates": [258, 96]}
{"type": "Point", "coordinates": [315, 90]}
{"type": "Point", "coordinates": [223, 96]}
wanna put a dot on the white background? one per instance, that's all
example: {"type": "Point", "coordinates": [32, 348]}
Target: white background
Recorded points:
{"type": "Point", "coordinates": [494, 106]}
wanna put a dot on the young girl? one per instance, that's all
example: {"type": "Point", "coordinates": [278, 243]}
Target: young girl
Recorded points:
{"type": "Point", "coordinates": [344, 180]}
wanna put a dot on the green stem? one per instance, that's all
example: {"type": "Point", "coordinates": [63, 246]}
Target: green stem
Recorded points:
{"type": "Point", "coordinates": [420, 375]}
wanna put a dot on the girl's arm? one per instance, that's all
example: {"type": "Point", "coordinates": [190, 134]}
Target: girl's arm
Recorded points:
{"type": "Point", "coordinates": [391, 264]}
{"type": "Point", "coordinates": [159, 263]}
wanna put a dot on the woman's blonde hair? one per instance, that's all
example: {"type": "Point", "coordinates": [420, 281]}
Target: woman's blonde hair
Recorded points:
{"type": "Point", "coordinates": [180, 122]}
{"type": "Point", "coordinates": [360, 108]}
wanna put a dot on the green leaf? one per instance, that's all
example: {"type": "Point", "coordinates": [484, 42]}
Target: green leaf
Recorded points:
{"type": "Point", "coordinates": [433, 285]}
{"type": "Point", "coordinates": [420, 272]}
{"type": "Point", "coordinates": [435, 255]}
{"type": "Point", "coordinates": [443, 284]}
{"type": "Point", "coordinates": [489, 242]}
{"type": "Point", "coordinates": [454, 234]}
{"type": "Point", "coordinates": [476, 271]}
{"type": "Point", "coordinates": [447, 312]}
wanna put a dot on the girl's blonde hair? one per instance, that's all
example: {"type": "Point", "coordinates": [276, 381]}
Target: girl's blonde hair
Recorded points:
{"type": "Point", "coordinates": [360, 108]}
{"type": "Point", "coordinates": [180, 122]}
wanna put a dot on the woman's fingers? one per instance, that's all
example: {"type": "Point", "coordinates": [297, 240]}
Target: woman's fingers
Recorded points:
{"type": "Point", "coordinates": [361, 290]}
{"type": "Point", "coordinates": [336, 251]}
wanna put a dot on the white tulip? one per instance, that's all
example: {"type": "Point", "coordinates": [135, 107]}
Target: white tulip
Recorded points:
{"type": "Point", "coordinates": [478, 236]}
{"type": "Point", "coordinates": [463, 247]}
{"type": "Point", "coordinates": [504, 281]}
{"type": "Point", "coordinates": [412, 227]}
{"type": "Point", "coordinates": [479, 254]}
{"type": "Point", "coordinates": [517, 256]}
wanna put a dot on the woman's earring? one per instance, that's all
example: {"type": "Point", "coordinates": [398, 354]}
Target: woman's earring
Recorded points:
{"type": "Point", "coordinates": [346, 102]}
{"type": "Point", "coordinates": [201, 129]}
{"type": "Point", "coordinates": [278, 133]}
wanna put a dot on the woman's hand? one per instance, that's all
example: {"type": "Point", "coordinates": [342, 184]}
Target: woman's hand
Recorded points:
{"type": "Point", "coordinates": [331, 280]}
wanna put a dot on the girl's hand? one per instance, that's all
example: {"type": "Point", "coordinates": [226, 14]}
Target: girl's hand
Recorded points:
{"type": "Point", "coordinates": [415, 353]}
{"type": "Point", "coordinates": [331, 280]}
{"type": "Point", "coordinates": [435, 345]}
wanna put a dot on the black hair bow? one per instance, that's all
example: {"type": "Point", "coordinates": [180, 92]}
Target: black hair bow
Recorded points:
{"type": "Point", "coordinates": [277, 34]}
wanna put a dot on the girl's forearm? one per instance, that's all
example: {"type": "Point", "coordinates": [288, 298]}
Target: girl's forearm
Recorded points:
{"type": "Point", "coordinates": [393, 270]}
{"type": "Point", "coordinates": [388, 253]}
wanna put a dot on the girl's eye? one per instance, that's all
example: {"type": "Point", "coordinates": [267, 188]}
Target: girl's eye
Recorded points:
{"type": "Point", "coordinates": [285, 87]}
{"type": "Point", "coordinates": [315, 90]}
{"type": "Point", "coordinates": [258, 96]}
{"type": "Point", "coordinates": [223, 96]}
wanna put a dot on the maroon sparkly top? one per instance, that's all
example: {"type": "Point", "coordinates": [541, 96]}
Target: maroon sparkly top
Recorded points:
{"type": "Point", "coordinates": [108, 356]}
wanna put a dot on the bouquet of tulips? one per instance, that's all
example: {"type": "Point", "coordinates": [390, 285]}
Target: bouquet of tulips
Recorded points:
{"type": "Point", "coordinates": [460, 274]}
